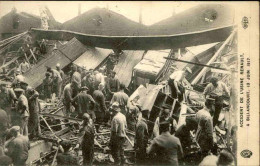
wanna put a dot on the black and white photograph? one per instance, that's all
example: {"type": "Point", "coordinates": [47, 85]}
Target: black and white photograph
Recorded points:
{"type": "Point", "coordinates": [129, 83]}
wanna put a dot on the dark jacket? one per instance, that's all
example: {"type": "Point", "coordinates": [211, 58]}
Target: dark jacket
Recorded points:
{"type": "Point", "coordinates": [85, 102]}
{"type": "Point", "coordinates": [100, 101]}
{"type": "Point", "coordinates": [141, 135]}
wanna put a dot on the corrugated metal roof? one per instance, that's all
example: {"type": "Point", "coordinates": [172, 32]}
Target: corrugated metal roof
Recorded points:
{"type": "Point", "coordinates": [92, 57]}
{"type": "Point", "coordinates": [64, 55]}
{"type": "Point", "coordinates": [126, 64]}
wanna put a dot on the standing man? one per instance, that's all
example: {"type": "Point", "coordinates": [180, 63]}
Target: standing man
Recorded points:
{"type": "Point", "coordinates": [122, 98]}
{"type": "Point", "coordinates": [165, 148]}
{"type": "Point", "coordinates": [58, 68]}
{"type": "Point", "coordinates": [47, 86]}
{"type": "Point", "coordinates": [141, 138]}
{"type": "Point", "coordinates": [86, 139]}
{"type": "Point", "coordinates": [68, 97]}
{"type": "Point", "coordinates": [176, 83]}
{"type": "Point", "coordinates": [88, 82]}
{"type": "Point", "coordinates": [18, 147]}
{"type": "Point", "coordinates": [101, 109]}
{"type": "Point", "coordinates": [216, 90]}
{"type": "Point", "coordinates": [76, 77]}
{"type": "Point", "coordinates": [85, 103]}
{"type": "Point", "coordinates": [113, 85]}
{"type": "Point", "coordinates": [98, 78]}
{"type": "Point", "coordinates": [7, 100]}
{"type": "Point", "coordinates": [118, 134]}
{"type": "Point", "coordinates": [204, 134]}
{"type": "Point", "coordinates": [24, 66]}
{"type": "Point", "coordinates": [57, 80]}
{"type": "Point", "coordinates": [22, 110]}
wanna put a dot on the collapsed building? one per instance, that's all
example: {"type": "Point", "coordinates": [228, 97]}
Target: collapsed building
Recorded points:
{"type": "Point", "coordinates": [144, 66]}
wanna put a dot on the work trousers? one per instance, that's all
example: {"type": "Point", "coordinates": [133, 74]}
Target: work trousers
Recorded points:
{"type": "Point", "coordinates": [88, 154]}
{"type": "Point", "coordinates": [33, 122]}
{"type": "Point", "coordinates": [218, 108]}
{"type": "Point", "coordinates": [117, 149]}
{"type": "Point", "coordinates": [141, 156]}
{"type": "Point", "coordinates": [24, 125]}
{"type": "Point", "coordinates": [57, 88]}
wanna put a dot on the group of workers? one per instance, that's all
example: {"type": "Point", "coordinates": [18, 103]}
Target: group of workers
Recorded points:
{"type": "Point", "coordinates": [98, 99]}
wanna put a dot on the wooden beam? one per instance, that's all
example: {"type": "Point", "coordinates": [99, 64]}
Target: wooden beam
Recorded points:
{"type": "Point", "coordinates": [213, 58]}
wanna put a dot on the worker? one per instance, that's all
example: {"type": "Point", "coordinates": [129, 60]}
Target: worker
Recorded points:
{"type": "Point", "coordinates": [216, 90]}
{"type": "Point", "coordinates": [98, 78]}
{"type": "Point", "coordinates": [118, 134]}
{"type": "Point", "coordinates": [141, 138]}
{"type": "Point", "coordinates": [86, 139]}
{"type": "Point", "coordinates": [166, 148]}
{"type": "Point", "coordinates": [204, 134]}
{"type": "Point", "coordinates": [4, 123]}
{"type": "Point", "coordinates": [24, 66]}
{"type": "Point", "coordinates": [34, 109]}
{"type": "Point", "coordinates": [165, 116]}
{"type": "Point", "coordinates": [88, 82]}
{"type": "Point", "coordinates": [111, 62]}
{"type": "Point", "coordinates": [4, 159]}
{"type": "Point", "coordinates": [85, 103]}
{"type": "Point", "coordinates": [47, 86]}
{"type": "Point", "coordinates": [18, 77]}
{"type": "Point", "coordinates": [177, 83]}
{"type": "Point", "coordinates": [184, 135]}
{"type": "Point", "coordinates": [122, 98]}
{"type": "Point", "coordinates": [132, 117]}
{"type": "Point", "coordinates": [68, 97]}
{"type": "Point", "coordinates": [58, 68]}
{"type": "Point", "coordinates": [101, 109]}
{"type": "Point", "coordinates": [76, 77]}
{"type": "Point", "coordinates": [57, 81]}
{"type": "Point", "coordinates": [66, 158]}
{"type": "Point", "coordinates": [8, 99]}
{"type": "Point", "coordinates": [17, 148]}
{"type": "Point", "coordinates": [112, 85]}
{"type": "Point", "coordinates": [22, 110]}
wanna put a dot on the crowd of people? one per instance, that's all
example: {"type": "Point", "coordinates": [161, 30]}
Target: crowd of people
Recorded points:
{"type": "Point", "coordinates": [98, 98]}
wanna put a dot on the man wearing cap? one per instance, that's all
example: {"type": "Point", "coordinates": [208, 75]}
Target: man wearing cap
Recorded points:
{"type": "Point", "coordinates": [101, 109]}
{"type": "Point", "coordinates": [22, 111]}
{"type": "Point", "coordinates": [141, 138]}
{"type": "Point", "coordinates": [216, 89]}
{"type": "Point", "coordinates": [118, 134]}
{"type": "Point", "coordinates": [166, 148]}
{"type": "Point", "coordinates": [47, 86]}
{"type": "Point", "coordinates": [177, 83]}
{"type": "Point", "coordinates": [86, 139]}
{"type": "Point", "coordinates": [17, 147]}
{"type": "Point", "coordinates": [85, 103]}
{"type": "Point", "coordinates": [204, 134]}
{"type": "Point", "coordinates": [66, 158]}
{"type": "Point", "coordinates": [8, 99]}
{"type": "Point", "coordinates": [113, 84]}
{"type": "Point", "coordinates": [88, 82]}
{"type": "Point", "coordinates": [122, 98]}
{"type": "Point", "coordinates": [165, 116]}
{"type": "Point", "coordinates": [57, 81]}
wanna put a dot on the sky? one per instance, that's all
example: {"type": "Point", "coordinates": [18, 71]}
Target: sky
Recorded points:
{"type": "Point", "coordinates": [152, 11]}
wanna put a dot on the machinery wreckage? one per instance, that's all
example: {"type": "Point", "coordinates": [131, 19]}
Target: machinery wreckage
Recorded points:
{"type": "Point", "coordinates": [149, 88]}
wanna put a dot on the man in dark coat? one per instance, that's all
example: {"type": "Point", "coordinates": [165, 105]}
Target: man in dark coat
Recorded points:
{"type": "Point", "coordinates": [47, 86]}
{"type": "Point", "coordinates": [165, 148]}
{"type": "Point", "coordinates": [141, 138]}
{"type": "Point", "coordinates": [86, 139]}
{"type": "Point", "coordinates": [85, 103]}
{"type": "Point", "coordinates": [88, 81]}
{"type": "Point", "coordinates": [18, 147]}
{"type": "Point", "coordinates": [112, 85]}
{"type": "Point", "coordinates": [67, 158]}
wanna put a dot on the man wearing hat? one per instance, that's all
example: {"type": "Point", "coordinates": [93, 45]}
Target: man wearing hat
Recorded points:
{"type": "Point", "coordinates": [113, 84]}
{"type": "Point", "coordinates": [86, 139]}
{"type": "Point", "coordinates": [85, 103]}
{"type": "Point", "coordinates": [17, 147]}
{"type": "Point", "coordinates": [88, 82]}
{"type": "Point", "coordinates": [216, 89]}
{"type": "Point", "coordinates": [22, 111]}
{"type": "Point", "coordinates": [47, 86]}
{"type": "Point", "coordinates": [177, 83]}
{"type": "Point", "coordinates": [141, 138]}
{"type": "Point", "coordinates": [204, 134]}
{"type": "Point", "coordinates": [7, 99]}
{"type": "Point", "coordinates": [66, 158]}
{"type": "Point", "coordinates": [118, 134]}
{"type": "Point", "coordinates": [165, 149]}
